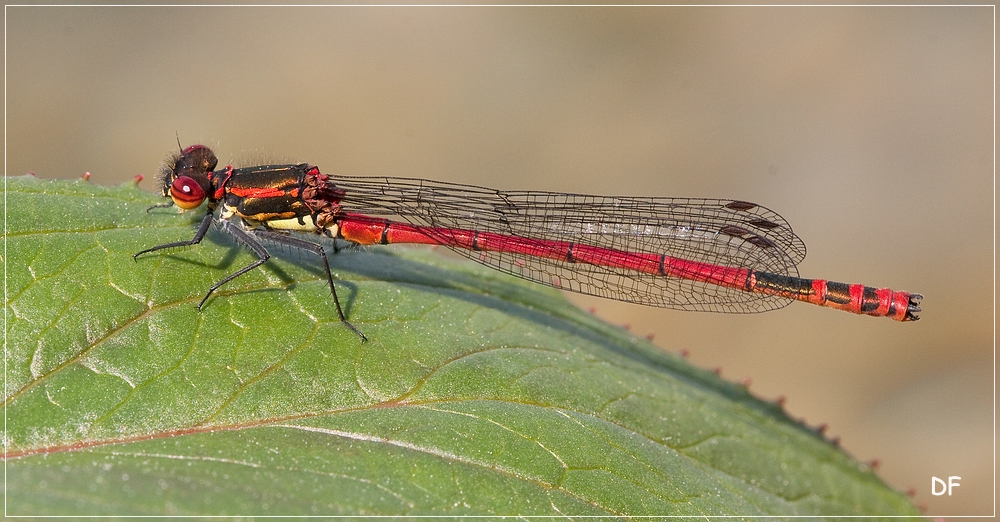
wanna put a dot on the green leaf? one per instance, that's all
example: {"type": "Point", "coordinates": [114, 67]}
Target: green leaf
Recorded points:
{"type": "Point", "coordinates": [477, 393]}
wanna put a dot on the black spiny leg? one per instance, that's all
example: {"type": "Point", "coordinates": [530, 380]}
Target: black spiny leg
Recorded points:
{"type": "Point", "coordinates": [315, 249]}
{"type": "Point", "coordinates": [198, 236]}
{"type": "Point", "coordinates": [246, 240]}
{"type": "Point", "coordinates": [241, 236]}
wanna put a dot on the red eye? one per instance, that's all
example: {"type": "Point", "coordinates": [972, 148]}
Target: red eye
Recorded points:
{"type": "Point", "coordinates": [186, 193]}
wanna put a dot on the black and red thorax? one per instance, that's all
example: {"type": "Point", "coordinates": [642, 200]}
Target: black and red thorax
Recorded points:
{"type": "Point", "coordinates": [297, 197]}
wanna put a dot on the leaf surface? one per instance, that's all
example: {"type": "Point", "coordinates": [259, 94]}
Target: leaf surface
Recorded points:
{"type": "Point", "coordinates": [478, 394]}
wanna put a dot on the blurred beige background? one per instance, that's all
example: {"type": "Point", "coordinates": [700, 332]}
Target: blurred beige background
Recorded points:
{"type": "Point", "coordinates": [869, 129]}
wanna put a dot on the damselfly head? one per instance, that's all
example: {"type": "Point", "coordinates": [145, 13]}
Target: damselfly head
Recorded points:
{"type": "Point", "coordinates": [186, 178]}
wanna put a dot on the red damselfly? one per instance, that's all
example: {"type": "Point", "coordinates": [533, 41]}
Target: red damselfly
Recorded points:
{"type": "Point", "coordinates": [713, 255]}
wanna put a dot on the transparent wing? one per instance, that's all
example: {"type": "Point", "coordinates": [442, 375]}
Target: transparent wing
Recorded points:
{"type": "Point", "coordinates": [716, 231]}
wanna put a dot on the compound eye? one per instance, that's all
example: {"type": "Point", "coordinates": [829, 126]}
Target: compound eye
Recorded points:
{"type": "Point", "coordinates": [186, 193]}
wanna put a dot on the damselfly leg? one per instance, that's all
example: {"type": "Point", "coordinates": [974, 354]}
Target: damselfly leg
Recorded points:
{"type": "Point", "coordinates": [248, 238]}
